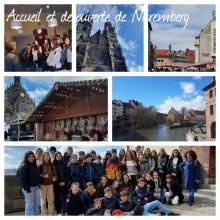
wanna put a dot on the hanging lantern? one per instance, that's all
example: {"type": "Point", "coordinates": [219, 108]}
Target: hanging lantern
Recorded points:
{"type": "Point", "coordinates": [16, 25]}
{"type": "Point", "coordinates": [52, 22]}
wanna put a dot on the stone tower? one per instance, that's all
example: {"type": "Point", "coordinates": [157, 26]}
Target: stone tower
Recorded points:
{"type": "Point", "coordinates": [17, 101]}
{"type": "Point", "coordinates": [83, 32]}
{"type": "Point", "coordinates": [100, 52]}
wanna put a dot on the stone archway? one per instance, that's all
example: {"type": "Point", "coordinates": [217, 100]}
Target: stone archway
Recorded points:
{"type": "Point", "coordinates": [213, 130]}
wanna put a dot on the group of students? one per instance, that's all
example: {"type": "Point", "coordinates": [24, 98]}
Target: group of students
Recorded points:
{"type": "Point", "coordinates": [127, 183]}
{"type": "Point", "coordinates": [52, 55]}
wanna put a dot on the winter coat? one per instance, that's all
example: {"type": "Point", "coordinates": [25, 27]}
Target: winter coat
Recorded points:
{"type": "Point", "coordinates": [191, 172]}
{"type": "Point", "coordinates": [62, 171]}
{"type": "Point", "coordinates": [88, 199]}
{"type": "Point", "coordinates": [12, 63]}
{"type": "Point", "coordinates": [99, 171]}
{"type": "Point", "coordinates": [89, 172]}
{"type": "Point", "coordinates": [101, 188]}
{"type": "Point", "coordinates": [29, 176]}
{"type": "Point", "coordinates": [110, 203]}
{"type": "Point", "coordinates": [150, 185]}
{"type": "Point", "coordinates": [126, 187]}
{"type": "Point", "coordinates": [127, 206]}
{"type": "Point", "coordinates": [139, 194]}
{"type": "Point", "coordinates": [73, 204]}
{"type": "Point", "coordinates": [177, 170]}
{"type": "Point", "coordinates": [113, 169]}
{"type": "Point", "coordinates": [176, 191]}
{"type": "Point", "coordinates": [47, 169]}
{"type": "Point", "coordinates": [75, 172]}
{"type": "Point", "coordinates": [66, 158]}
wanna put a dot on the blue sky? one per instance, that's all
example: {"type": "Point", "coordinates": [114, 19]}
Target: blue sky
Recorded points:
{"type": "Point", "coordinates": [14, 154]}
{"type": "Point", "coordinates": [130, 35]}
{"type": "Point", "coordinates": [38, 86]}
{"type": "Point", "coordinates": [162, 92]}
{"type": "Point", "coordinates": [165, 33]}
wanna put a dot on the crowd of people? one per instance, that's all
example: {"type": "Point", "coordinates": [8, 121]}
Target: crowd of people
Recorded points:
{"type": "Point", "coordinates": [121, 183]}
{"type": "Point", "coordinates": [53, 55]}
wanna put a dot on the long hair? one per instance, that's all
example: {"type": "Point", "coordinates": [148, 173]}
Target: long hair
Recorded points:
{"type": "Point", "coordinates": [46, 153]}
{"type": "Point", "coordinates": [25, 160]}
{"type": "Point", "coordinates": [192, 154]}
{"type": "Point", "coordinates": [55, 155]}
{"type": "Point", "coordinates": [178, 156]}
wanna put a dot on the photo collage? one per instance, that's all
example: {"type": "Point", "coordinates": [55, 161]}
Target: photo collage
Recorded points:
{"type": "Point", "coordinates": [137, 79]}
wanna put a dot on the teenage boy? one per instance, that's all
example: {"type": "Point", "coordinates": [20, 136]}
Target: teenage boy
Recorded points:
{"type": "Point", "coordinates": [141, 195]}
{"type": "Point", "coordinates": [89, 195]}
{"type": "Point", "coordinates": [97, 210]}
{"type": "Point", "coordinates": [109, 201]}
{"type": "Point", "coordinates": [73, 203]}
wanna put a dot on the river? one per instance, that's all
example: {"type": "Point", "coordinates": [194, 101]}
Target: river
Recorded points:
{"type": "Point", "coordinates": [157, 133]}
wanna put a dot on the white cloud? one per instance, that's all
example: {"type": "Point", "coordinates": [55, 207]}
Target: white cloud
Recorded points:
{"type": "Point", "coordinates": [165, 33]}
{"type": "Point", "coordinates": [37, 94]}
{"type": "Point", "coordinates": [197, 103]}
{"type": "Point", "coordinates": [197, 77]}
{"type": "Point", "coordinates": [136, 69]}
{"type": "Point", "coordinates": [188, 88]}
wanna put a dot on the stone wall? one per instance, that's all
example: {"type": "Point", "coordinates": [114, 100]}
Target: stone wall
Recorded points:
{"type": "Point", "coordinates": [14, 199]}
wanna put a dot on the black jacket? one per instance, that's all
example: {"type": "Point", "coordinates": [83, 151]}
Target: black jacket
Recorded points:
{"type": "Point", "coordinates": [111, 203]}
{"type": "Point", "coordinates": [62, 171]}
{"type": "Point", "coordinates": [139, 194]}
{"type": "Point", "coordinates": [127, 206]}
{"type": "Point", "coordinates": [177, 191]}
{"type": "Point", "coordinates": [150, 185]}
{"type": "Point", "coordinates": [177, 171]}
{"type": "Point", "coordinates": [75, 172]}
{"type": "Point", "coordinates": [95, 212]}
{"type": "Point", "coordinates": [88, 199]}
{"type": "Point", "coordinates": [29, 176]}
{"type": "Point", "coordinates": [73, 204]}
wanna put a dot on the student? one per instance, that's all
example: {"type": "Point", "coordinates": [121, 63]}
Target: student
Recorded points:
{"type": "Point", "coordinates": [54, 58]}
{"type": "Point", "coordinates": [73, 202]}
{"type": "Point", "coordinates": [127, 206]}
{"type": "Point", "coordinates": [126, 185]}
{"type": "Point", "coordinates": [121, 154]}
{"type": "Point", "coordinates": [89, 195]}
{"type": "Point", "coordinates": [38, 155]}
{"type": "Point", "coordinates": [81, 157]}
{"type": "Point", "coordinates": [173, 166]}
{"type": "Point", "coordinates": [67, 54]}
{"type": "Point", "coordinates": [154, 160]}
{"type": "Point", "coordinates": [67, 155]}
{"type": "Point", "coordinates": [48, 176]}
{"type": "Point", "coordinates": [99, 168]}
{"type": "Point", "coordinates": [109, 201]}
{"type": "Point", "coordinates": [130, 167]}
{"type": "Point", "coordinates": [149, 161]}
{"type": "Point", "coordinates": [143, 166]}
{"type": "Point", "coordinates": [150, 183]}
{"type": "Point", "coordinates": [53, 151]}
{"type": "Point", "coordinates": [61, 184]}
{"type": "Point", "coordinates": [191, 174]}
{"type": "Point", "coordinates": [102, 185]}
{"type": "Point", "coordinates": [162, 162]}
{"type": "Point", "coordinates": [89, 170]}
{"type": "Point", "coordinates": [113, 167]}
{"type": "Point", "coordinates": [75, 171]}
{"type": "Point", "coordinates": [116, 188]}
{"type": "Point", "coordinates": [97, 210]}
{"type": "Point", "coordinates": [141, 195]}
{"type": "Point", "coordinates": [28, 176]}
{"type": "Point", "coordinates": [106, 158]}
{"type": "Point", "coordinates": [174, 195]}
{"type": "Point", "coordinates": [37, 56]}
{"type": "Point", "coordinates": [159, 190]}
{"type": "Point", "coordinates": [12, 62]}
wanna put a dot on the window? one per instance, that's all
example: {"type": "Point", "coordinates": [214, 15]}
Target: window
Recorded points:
{"type": "Point", "coordinates": [211, 110]}
{"type": "Point", "coordinates": [210, 94]}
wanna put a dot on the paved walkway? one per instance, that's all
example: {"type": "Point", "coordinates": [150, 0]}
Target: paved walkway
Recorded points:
{"type": "Point", "coordinates": [205, 203]}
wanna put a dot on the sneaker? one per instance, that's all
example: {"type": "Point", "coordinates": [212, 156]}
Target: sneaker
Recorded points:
{"type": "Point", "coordinates": [59, 214]}
{"type": "Point", "coordinates": [173, 214]}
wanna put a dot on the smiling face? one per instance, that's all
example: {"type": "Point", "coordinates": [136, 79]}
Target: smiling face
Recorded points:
{"type": "Point", "coordinates": [31, 158]}
{"type": "Point", "coordinates": [58, 157]}
{"type": "Point", "coordinates": [46, 157]}
{"type": "Point", "coordinates": [108, 194]}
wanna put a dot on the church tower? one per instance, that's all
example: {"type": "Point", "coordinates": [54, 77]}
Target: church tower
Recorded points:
{"type": "Point", "coordinates": [83, 32]}
{"type": "Point", "coordinates": [118, 63]}
{"type": "Point", "coordinates": [17, 80]}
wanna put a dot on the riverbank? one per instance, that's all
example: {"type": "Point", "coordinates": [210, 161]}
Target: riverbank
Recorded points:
{"type": "Point", "coordinates": [157, 133]}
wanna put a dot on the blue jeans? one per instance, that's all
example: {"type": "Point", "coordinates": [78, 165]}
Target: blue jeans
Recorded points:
{"type": "Point", "coordinates": [38, 68]}
{"type": "Point", "coordinates": [160, 196]}
{"type": "Point", "coordinates": [32, 204]}
{"type": "Point", "coordinates": [191, 195]}
{"type": "Point", "coordinates": [149, 207]}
